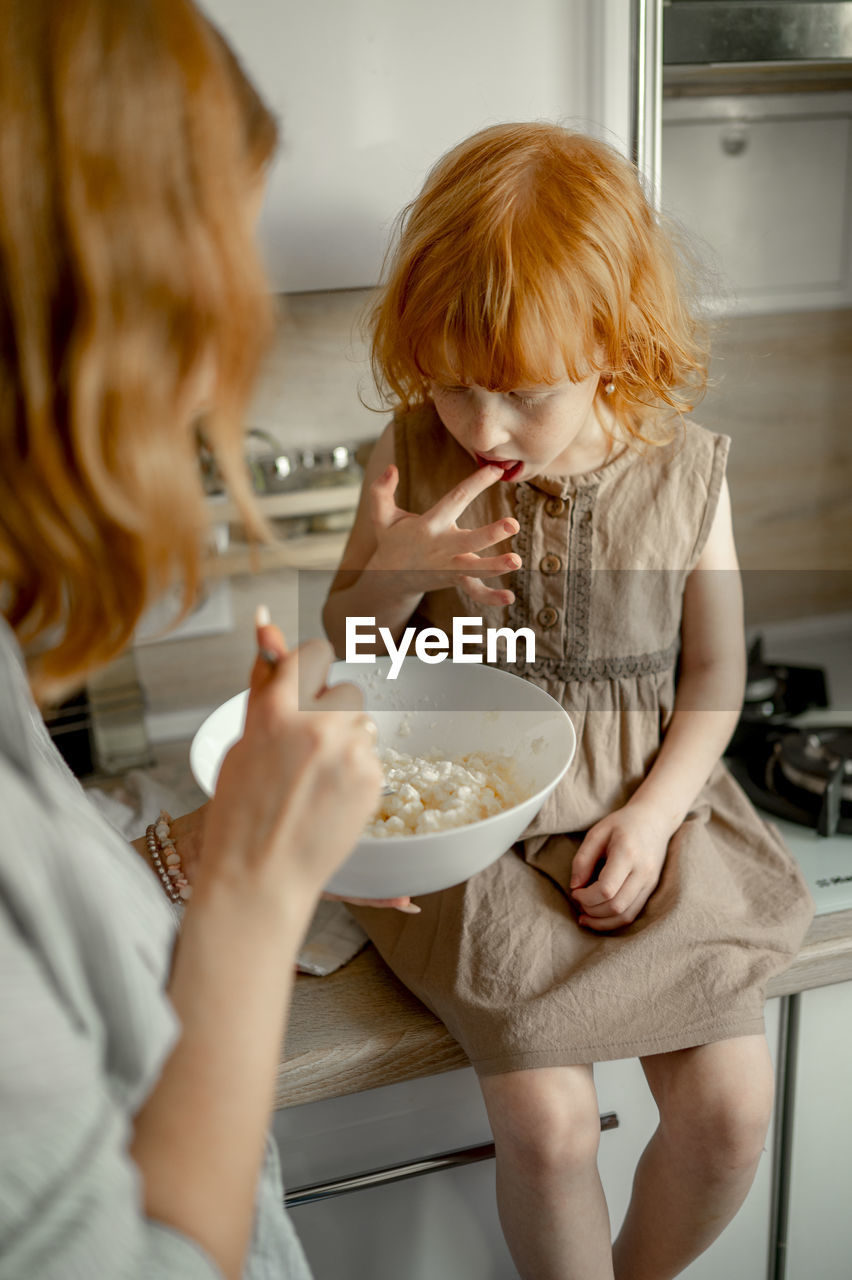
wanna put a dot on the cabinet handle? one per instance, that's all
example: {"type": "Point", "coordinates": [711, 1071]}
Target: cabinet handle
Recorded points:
{"type": "Point", "coordinates": [734, 139]}
{"type": "Point", "coordinates": [310, 1193]}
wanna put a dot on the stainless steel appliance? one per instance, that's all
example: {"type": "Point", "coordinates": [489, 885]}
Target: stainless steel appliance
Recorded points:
{"type": "Point", "coordinates": [701, 31]}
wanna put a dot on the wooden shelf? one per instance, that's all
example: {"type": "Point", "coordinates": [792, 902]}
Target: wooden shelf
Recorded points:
{"type": "Point", "coordinates": [305, 551]}
{"type": "Point", "coordinates": [313, 551]}
{"type": "Point", "coordinates": [295, 502]}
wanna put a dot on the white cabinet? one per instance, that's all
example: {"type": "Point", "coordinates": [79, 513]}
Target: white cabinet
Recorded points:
{"type": "Point", "coordinates": [372, 92]}
{"type": "Point", "coordinates": [764, 181]}
{"type": "Point", "coordinates": [445, 1224]}
{"type": "Point", "coordinates": [437, 1225]}
{"type": "Point", "coordinates": [819, 1241]}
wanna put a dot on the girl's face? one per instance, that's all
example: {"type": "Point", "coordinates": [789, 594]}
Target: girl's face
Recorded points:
{"type": "Point", "coordinates": [553, 428]}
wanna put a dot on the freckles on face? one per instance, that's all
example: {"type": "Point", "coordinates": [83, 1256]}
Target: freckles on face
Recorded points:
{"type": "Point", "coordinates": [531, 425]}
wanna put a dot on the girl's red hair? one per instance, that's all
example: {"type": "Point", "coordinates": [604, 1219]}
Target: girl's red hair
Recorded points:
{"type": "Point", "coordinates": [532, 249]}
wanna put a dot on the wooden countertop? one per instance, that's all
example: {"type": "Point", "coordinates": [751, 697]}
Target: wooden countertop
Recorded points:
{"type": "Point", "coordinates": [360, 1028]}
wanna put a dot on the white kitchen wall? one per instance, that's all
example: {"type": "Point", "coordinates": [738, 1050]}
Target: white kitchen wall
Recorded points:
{"type": "Point", "coordinates": [371, 92]}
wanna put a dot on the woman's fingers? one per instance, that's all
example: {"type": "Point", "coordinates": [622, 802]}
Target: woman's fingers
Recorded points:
{"type": "Point", "coordinates": [308, 670]}
{"type": "Point", "coordinates": [271, 646]}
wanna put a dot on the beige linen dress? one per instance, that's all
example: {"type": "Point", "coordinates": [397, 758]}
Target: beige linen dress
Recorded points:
{"type": "Point", "coordinates": [502, 959]}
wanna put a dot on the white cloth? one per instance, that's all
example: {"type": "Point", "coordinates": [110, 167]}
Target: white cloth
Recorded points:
{"type": "Point", "coordinates": [333, 936]}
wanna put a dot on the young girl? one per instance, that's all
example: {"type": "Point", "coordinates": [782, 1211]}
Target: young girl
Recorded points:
{"type": "Point", "coordinates": [533, 336]}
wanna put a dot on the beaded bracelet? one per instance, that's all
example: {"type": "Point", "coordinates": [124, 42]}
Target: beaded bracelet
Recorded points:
{"type": "Point", "coordinates": [165, 859]}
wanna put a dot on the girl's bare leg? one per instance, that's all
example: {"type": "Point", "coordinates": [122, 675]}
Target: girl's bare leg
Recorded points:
{"type": "Point", "coordinates": [715, 1102]}
{"type": "Point", "coordinates": [546, 1130]}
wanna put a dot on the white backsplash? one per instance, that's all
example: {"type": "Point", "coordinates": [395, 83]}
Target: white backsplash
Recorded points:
{"type": "Point", "coordinates": [317, 373]}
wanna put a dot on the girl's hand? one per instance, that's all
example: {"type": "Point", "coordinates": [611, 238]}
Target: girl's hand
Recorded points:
{"type": "Point", "coordinates": [399, 904]}
{"type": "Point", "coordinates": [295, 792]}
{"type": "Point", "coordinates": [432, 547]}
{"type": "Point", "coordinates": [628, 850]}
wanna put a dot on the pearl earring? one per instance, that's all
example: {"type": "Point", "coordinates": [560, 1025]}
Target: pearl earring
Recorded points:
{"type": "Point", "coordinates": [609, 387]}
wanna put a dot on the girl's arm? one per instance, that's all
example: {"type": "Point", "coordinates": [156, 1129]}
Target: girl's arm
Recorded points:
{"type": "Point", "coordinates": [633, 840]}
{"type": "Point", "coordinates": [712, 677]}
{"type": "Point", "coordinates": [393, 556]}
{"type": "Point", "coordinates": [354, 592]}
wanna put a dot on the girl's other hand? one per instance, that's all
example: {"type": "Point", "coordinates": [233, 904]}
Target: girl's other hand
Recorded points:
{"type": "Point", "coordinates": [627, 849]}
{"type": "Point", "coordinates": [398, 904]}
{"type": "Point", "coordinates": [295, 791]}
{"type": "Point", "coordinates": [433, 548]}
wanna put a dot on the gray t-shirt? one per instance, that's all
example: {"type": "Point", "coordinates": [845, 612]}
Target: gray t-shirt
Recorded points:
{"type": "Point", "coordinates": [85, 943]}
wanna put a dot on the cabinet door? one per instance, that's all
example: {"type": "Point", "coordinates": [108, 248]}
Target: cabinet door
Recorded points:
{"type": "Point", "coordinates": [436, 1225]}
{"type": "Point", "coordinates": [371, 93]}
{"type": "Point", "coordinates": [819, 1243]}
{"type": "Point", "coordinates": [765, 183]}
{"type": "Point", "coordinates": [439, 1224]}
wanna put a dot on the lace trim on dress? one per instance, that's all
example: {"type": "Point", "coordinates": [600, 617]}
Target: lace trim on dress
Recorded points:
{"type": "Point", "coordinates": [578, 672]}
{"type": "Point", "coordinates": [580, 574]}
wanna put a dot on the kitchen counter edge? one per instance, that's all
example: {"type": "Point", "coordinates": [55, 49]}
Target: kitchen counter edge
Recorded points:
{"type": "Point", "coordinates": [359, 1028]}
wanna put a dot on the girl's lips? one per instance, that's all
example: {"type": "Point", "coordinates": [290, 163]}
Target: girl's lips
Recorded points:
{"type": "Point", "coordinates": [510, 467]}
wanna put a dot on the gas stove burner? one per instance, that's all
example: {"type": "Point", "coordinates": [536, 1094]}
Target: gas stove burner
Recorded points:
{"type": "Point", "coordinates": [776, 690]}
{"type": "Point", "coordinates": [802, 773]}
{"type": "Point", "coordinates": [774, 693]}
{"type": "Point", "coordinates": [814, 758]}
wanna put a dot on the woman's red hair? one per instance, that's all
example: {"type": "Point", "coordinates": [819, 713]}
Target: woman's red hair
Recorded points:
{"type": "Point", "coordinates": [532, 249]}
{"type": "Point", "coordinates": [130, 142]}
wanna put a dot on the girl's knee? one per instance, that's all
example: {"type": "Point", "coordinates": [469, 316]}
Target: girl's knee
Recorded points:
{"type": "Point", "coordinates": [721, 1112]}
{"type": "Point", "coordinates": [548, 1120]}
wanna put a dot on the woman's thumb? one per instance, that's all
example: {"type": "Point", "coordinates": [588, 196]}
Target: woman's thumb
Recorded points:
{"type": "Point", "coordinates": [271, 646]}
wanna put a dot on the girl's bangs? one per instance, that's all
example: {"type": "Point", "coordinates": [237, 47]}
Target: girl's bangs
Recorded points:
{"type": "Point", "coordinates": [525, 344]}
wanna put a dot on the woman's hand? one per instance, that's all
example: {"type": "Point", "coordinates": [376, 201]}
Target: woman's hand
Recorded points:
{"type": "Point", "coordinates": [628, 850]}
{"type": "Point", "coordinates": [295, 792]}
{"type": "Point", "coordinates": [432, 548]}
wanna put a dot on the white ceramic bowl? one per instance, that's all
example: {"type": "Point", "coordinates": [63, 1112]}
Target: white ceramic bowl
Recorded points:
{"type": "Point", "coordinates": [452, 708]}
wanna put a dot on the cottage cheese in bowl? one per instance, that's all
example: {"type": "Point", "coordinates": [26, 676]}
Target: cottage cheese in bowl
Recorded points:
{"type": "Point", "coordinates": [471, 752]}
{"type": "Point", "coordinates": [431, 793]}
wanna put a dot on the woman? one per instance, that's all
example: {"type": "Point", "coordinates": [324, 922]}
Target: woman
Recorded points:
{"type": "Point", "coordinates": [136, 1078]}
